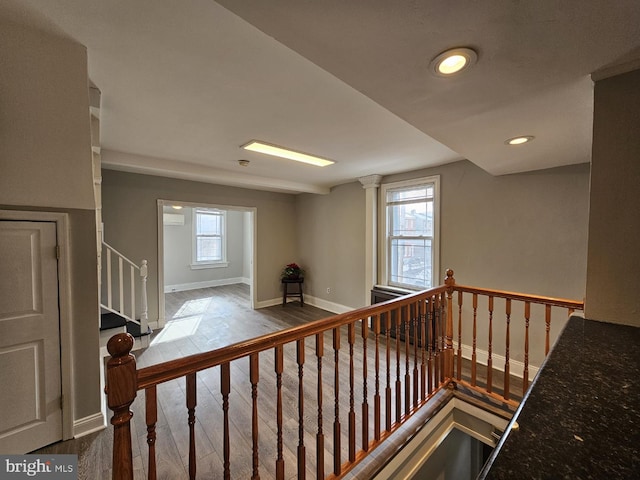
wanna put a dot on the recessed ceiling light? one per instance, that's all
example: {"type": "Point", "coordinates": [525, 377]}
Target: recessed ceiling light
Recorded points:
{"type": "Point", "coordinates": [269, 149]}
{"type": "Point", "coordinates": [453, 61]}
{"type": "Point", "coordinates": [519, 140]}
{"type": "Point", "coordinates": [176, 207]}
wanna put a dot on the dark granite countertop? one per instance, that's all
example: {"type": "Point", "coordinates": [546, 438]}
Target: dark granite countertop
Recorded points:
{"type": "Point", "coordinates": [581, 417]}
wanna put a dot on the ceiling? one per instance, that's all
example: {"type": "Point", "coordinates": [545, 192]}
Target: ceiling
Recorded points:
{"type": "Point", "coordinates": [185, 84]}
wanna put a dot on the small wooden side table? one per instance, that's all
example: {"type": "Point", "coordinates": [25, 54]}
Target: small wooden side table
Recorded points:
{"type": "Point", "coordinates": [285, 290]}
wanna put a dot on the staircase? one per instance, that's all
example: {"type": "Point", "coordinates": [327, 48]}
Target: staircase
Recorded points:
{"type": "Point", "coordinates": [123, 297]}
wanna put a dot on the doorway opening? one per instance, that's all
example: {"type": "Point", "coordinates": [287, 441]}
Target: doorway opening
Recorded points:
{"type": "Point", "coordinates": [204, 250]}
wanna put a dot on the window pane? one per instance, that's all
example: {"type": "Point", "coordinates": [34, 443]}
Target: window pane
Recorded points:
{"type": "Point", "coordinates": [411, 193]}
{"type": "Point", "coordinates": [208, 249]}
{"type": "Point", "coordinates": [411, 219]}
{"type": "Point", "coordinates": [410, 262]}
{"type": "Point", "coordinates": [209, 223]}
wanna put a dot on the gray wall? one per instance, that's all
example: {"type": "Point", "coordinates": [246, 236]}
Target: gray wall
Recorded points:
{"type": "Point", "coordinates": [178, 246]}
{"type": "Point", "coordinates": [613, 279]}
{"type": "Point", "coordinates": [45, 160]}
{"type": "Point", "coordinates": [131, 226]}
{"type": "Point", "coordinates": [331, 235]}
{"type": "Point", "coordinates": [525, 233]}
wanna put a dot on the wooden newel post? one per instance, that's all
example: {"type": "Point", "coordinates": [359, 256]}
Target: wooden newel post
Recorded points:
{"type": "Point", "coordinates": [121, 391]}
{"type": "Point", "coordinates": [450, 282]}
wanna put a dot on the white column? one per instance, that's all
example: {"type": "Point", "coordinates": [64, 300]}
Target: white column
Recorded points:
{"type": "Point", "coordinates": [371, 183]}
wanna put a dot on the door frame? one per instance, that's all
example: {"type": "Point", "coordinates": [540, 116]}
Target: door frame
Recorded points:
{"type": "Point", "coordinates": [253, 291]}
{"type": "Point", "coordinates": [64, 304]}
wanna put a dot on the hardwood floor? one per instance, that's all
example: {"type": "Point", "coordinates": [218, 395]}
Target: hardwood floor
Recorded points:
{"type": "Point", "coordinates": [197, 321]}
{"type": "Point", "coordinates": [202, 320]}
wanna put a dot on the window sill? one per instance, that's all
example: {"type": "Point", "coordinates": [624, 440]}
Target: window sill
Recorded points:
{"type": "Point", "coordinates": [202, 266]}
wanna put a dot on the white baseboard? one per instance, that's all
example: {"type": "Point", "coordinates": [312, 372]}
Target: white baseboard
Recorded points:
{"type": "Point", "coordinates": [516, 368]}
{"type": "Point", "coordinates": [181, 287]}
{"type": "Point", "coordinates": [327, 305]}
{"type": "Point", "coordinates": [308, 300]}
{"type": "Point", "coordinates": [87, 425]}
{"type": "Point", "coordinates": [268, 303]}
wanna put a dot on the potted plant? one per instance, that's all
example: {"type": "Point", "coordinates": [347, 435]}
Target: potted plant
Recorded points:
{"type": "Point", "coordinates": [292, 271]}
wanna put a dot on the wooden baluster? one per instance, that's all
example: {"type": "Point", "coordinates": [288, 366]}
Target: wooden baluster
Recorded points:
{"type": "Point", "coordinates": [352, 413]}
{"type": "Point", "coordinates": [407, 358]}
{"type": "Point", "coordinates": [448, 357]}
{"type": "Point", "coordinates": [525, 375]}
{"type": "Point", "coordinates": [423, 341]}
{"type": "Point", "coordinates": [121, 391]}
{"type": "Point", "coordinates": [191, 409]}
{"type": "Point", "coordinates": [279, 367]}
{"type": "Point", "coordinates": [571, 310]}
{"type": "Point", "coordinates": [473, 351]}
{"type": "Point", "coordinates": [416, 380]}
{"type": "Point", "coordinates": [430, 343]}
{"type": "Point", "coordinates": [506, 353]}
{"type": "Point", "coordinates": [376, 395]}
{"type": "Point", "coordinates": [225, 389]}
{"type": "Point", "coordinates": [254, 377]}
{"type": "Point", "coordinates": [387, 390]}
{"type": "Point", "coordinates": [489, 359]}
{"type": "Point", "coordinates": [398, 383]}
{"type": "Point", "coordinates": [151, 409]}
{"type": "Point", "coordinates": [437, 341]}
{"type": "Point", "coordinates": [547, 321]}
{"type": "Point", "coordinates": [442, 325]}
{"type": "Point", "coordinates": [365, 393]}
{"type": "Point", "coordinates": [302, 461]}
{"type": "Point", "coordinates": [320, 434]}
{"type": "Point", "coordinates": [459, 376]}
{"type": "Point", "coordinates": [336, 421]}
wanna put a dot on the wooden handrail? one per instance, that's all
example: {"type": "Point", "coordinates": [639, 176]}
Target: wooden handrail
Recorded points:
{"type": "Point", "coordinates": [412, 337]}
{"type": "Point", "coordinates": [507, 368]}
{"type": "Point", "coordinates": [539, 299]}
{"type": "Point", "coordinates": [166, 371]}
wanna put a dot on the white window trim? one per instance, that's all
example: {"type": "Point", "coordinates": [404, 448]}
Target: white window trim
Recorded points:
{"type": "Point", "coordinates": [384, 238]}
{"type": "Point", "coordinates": [195, 264]}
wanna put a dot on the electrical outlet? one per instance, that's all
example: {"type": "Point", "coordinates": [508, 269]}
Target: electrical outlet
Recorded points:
{"type": "Point", "coordinates": [329, 290]}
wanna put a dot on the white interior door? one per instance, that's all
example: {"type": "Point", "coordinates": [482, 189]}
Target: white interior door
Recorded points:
{"type": "Point", "coordinates": [30, 381]}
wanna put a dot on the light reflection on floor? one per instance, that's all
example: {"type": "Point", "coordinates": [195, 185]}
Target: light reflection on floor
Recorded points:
{"type": "Point", "coordinates": [185, 322]}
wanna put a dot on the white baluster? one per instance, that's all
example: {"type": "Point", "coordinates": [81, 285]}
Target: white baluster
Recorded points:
{"type": "Point", "coordinates": [144, 318]}
{"type": "Point", "coordinates": [109, 290]}
{"type": "Point", "coordinates": [121, 285]}
{"type": "Point", "coordinates": [133, 291]}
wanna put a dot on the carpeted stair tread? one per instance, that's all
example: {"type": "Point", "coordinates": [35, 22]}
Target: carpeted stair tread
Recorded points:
{"type": "Point", "coordinates": [134, 330]}
{"type": "Point", "coordinates": [111, 320]}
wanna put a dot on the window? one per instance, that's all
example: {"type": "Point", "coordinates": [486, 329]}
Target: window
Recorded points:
{"type": "Point", "coordinates": [411, 233]}
{"type": "Point", "coordinates": [209, 241]}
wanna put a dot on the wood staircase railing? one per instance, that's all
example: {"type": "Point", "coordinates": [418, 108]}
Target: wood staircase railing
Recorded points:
{"type": "Point", "coordinates": [392, 373]}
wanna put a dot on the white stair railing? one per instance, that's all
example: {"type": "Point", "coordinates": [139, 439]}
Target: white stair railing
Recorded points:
{"type": "Point", "coordinates": [121, 300]}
